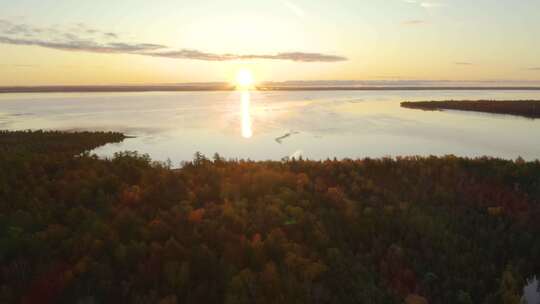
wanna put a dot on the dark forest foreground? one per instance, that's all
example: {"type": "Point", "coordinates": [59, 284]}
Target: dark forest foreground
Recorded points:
{"type": "Point", "coordinates": [524, 108]}
{"type": "Point", "coordinates": [78, 229]}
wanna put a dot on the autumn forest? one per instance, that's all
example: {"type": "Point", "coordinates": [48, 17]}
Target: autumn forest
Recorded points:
{"type": "Point", "coordinates": [75, 228]}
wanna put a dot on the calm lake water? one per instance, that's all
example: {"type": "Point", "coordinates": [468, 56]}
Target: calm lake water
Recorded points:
{"type": "Point", "coordinates": [273, 125]}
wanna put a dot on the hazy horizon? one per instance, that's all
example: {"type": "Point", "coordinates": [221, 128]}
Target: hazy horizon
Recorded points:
{"type": "Point", "coordinates": [320, 83]}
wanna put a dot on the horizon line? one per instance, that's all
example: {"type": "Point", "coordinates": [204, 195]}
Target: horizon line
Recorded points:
{"type": "Point", "coordinates": [267, 86]}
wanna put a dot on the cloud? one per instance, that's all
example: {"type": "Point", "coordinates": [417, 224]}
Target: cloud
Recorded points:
{"type": "Point", "coordinates": [292, 56]}
{"type": "Point", "coordinates": [534, 69]}
{"type": "Point", "coordinates": [425, 4]}
{"type": "Point", "coordinates": [414, 22]}
{"type": "Point", "coordinates": [463, 63]}
{"type": "Point", "coordinates": [294, 8]}
{"type": "Point", "coordinates": [111, 35]}
{"type": "Point", "coordinates": [83, 45]}
{"type": "Point", "coordinates": [430, 4]}
{"type": "Point", "coordinates": [306, 57]}
{"type": "Point", "coordinates": [9, 65]}
{"type": "Point", "coordinates": [11, 28]}
{"type": "Point", "coordinates": [85, 39]}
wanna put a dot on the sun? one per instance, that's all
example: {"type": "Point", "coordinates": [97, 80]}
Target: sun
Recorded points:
{"type": "Point", "coordinates": [244, 78]}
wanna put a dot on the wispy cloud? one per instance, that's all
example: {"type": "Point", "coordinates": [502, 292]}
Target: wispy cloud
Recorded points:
{"type": "Point", "coordinates": [23, 66]}
{"type": "Point", "coordinates": [414, 22]}
{"type": "Point", "coordinates": [431, 4]}
{"type": "Point", "coordinates": [111, 35]}
{"type": "Point", "coordinates": [18, 29]}
{"type": "Point", "coordinates": [293, 56]}
{"type": "Point", "coordinates": [82, 38]}
{"type": "Point", "coordinates": [534, 69]}
{"type": "Point", "coordinates": [294, 8]}
{"type": "Point", "coordinates": [426, 4]}
{"type": "Point", "coordinates": [84, 45]}
{"type": "Point", "coordinates": [463, 63]}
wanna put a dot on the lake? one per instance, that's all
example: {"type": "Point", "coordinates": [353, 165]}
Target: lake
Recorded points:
{"type": "Point", "coordinates": [264, 125]}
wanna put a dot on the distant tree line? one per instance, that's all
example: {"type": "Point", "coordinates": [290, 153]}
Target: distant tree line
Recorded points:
{"type": "Point", "coordinates": [525, 108]}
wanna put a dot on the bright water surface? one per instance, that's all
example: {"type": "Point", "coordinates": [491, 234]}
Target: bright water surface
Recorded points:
{"type": "Point", "coordinates": [273, 125]}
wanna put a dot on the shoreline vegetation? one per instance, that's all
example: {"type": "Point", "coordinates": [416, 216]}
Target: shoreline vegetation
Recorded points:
{"type": "Point", "coordinates": [75, 228]}
{"type": "Point", "coordinates": [524, 108]}
{"type": "Point", "coordinates": [226, 87]}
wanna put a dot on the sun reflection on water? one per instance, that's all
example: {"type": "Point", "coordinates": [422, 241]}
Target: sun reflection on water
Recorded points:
{"type": "Point", "coordinates": [247, 131]}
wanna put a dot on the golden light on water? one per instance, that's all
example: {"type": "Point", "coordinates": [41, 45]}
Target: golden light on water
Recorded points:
{"type": "Point", "coordinates": [245, 81]}
{"type": "Point", "coordinates": [247, 131]}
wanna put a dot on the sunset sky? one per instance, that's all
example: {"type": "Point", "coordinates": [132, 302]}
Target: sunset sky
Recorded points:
{"type": "Point", "coordinates": [172, 41]}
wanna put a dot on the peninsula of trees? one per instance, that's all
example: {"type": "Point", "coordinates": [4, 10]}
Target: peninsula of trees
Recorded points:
{"type": "Point", "coordinates": [75, 228]}
{"type": "Point", "coordinates": [524, 108]}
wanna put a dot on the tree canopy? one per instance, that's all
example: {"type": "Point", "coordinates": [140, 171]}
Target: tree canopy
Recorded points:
{"type": "Point", "coordinates": [75, 228]}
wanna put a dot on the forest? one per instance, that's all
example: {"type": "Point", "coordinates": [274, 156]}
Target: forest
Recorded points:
{"type": "Point", "coordinates": [75, 228]}
{"type": "Point", "coordinates": [524, 108]}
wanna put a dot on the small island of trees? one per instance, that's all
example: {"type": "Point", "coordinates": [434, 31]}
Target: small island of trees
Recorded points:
{"type": "Point", "coordinates": [524, 108]}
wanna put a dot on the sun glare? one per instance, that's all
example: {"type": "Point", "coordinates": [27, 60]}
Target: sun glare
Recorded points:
{"type": "Point", "coordinates": [244, 78]}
